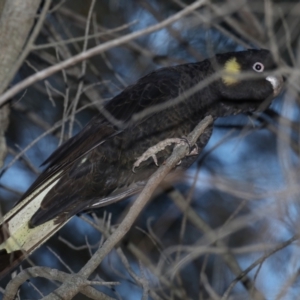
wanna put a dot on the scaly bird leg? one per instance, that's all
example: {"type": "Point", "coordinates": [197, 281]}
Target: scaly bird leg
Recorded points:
{"type": "Point", "coordinates": [152, 151]}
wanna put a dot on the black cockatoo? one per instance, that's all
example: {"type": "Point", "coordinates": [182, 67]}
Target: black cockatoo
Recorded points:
{"type": "Point", "coordinates": [95, 167]}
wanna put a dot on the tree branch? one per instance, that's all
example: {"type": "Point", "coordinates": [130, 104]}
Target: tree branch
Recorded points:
{"type": "Point", "coordinates": [67, 291]}
{"type": "Point", "coordinates": [81, 283]}
{"type": "Point", "coordinates": [97, 50]}
{"type": "Point", "coordinates": [16, 21]}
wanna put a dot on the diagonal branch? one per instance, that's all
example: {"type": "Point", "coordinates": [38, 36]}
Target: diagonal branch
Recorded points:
{"type": "Point", "coordinates": [97, 50]}
{"type": "Point", "coordinates": [67, 291]}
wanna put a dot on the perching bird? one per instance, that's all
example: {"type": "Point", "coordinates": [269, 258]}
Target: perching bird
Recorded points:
{"type": "Point", "coordinates": [95, 167]}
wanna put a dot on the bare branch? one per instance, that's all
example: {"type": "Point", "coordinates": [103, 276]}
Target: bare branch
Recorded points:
{"type": "Point", "coordinates": [179, 152]}
{"type": "Point", "coordinates": [79, 282]}
{"type": "Point", "coordinates": [96, 50]}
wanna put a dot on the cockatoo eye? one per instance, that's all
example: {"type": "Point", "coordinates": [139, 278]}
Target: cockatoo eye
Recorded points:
{"type": "Point", "coordinates": [258, 67]}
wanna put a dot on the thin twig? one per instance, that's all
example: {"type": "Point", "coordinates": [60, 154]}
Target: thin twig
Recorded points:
{"type": "Point", "coordinates": [83, 69]}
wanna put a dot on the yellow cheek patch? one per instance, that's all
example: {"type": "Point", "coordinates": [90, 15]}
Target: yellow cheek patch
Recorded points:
{"type": "Point", "coordinates": [231, 67]}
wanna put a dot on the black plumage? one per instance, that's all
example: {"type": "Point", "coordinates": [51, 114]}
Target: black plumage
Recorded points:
{"type": "Point", "coordinates": [97, 162]}
{"type": "Point", "coordinates": [94, 168]}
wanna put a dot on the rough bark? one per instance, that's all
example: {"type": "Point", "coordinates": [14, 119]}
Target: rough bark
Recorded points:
{"type": "Point", "coordinates": [17, 19]}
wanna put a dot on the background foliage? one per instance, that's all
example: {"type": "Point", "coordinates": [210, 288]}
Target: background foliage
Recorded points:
{"type": "Point", "coordinates": [237, 206]}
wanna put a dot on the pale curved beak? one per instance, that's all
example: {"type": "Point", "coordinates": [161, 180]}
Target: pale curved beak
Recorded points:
{"type": "Point", "coordinates": [277, 83]}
